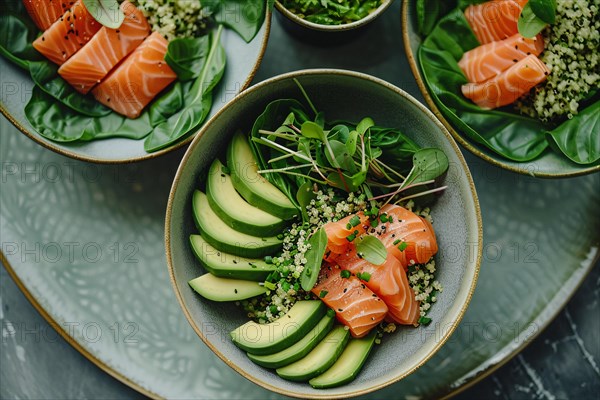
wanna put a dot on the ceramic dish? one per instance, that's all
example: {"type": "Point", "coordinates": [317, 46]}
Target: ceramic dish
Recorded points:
{"type": "Point", "coordinates": [243, 59]}
{"type": "Point", "coordinates": [548, 165]}
{"type": "Point", "coordinates": [342, 95]}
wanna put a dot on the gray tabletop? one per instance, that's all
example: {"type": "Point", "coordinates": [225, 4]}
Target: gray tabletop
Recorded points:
{"type": "Point", "coordinates": [563, 362]}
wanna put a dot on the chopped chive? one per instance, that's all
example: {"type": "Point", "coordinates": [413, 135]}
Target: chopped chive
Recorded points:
{"type": "Point", "coordinates": [345, 273]}
{"type": "Point", "coordinates": [374, 223]}
{"type": "Point", "coordinates": [383, 217]}
{"type": "Point", "coordinates": [270, 285]}
{"type": "Point", "coordinates": [402, 246]}
{"type": "Point", "coordinates": [351, 237]}
{"type": "Point", "coordinates": [323, 293]}
{"type": "Point", "coordinates": [396, 241]}
{"type": "Point", "coordinates": [354, 220]}
{"type": "Point", "coordinates": [330, 312]}
{"type": "Point", "coordinates": [285, 286]}
{"type": "Point", "coordinates": [390, 219]}
{"type": "Point", "coordinates": [348, 226]}
{"type": "Point", "coordinates": [424, 320]}
{"type": "Point", "coordinates": [365, 276]}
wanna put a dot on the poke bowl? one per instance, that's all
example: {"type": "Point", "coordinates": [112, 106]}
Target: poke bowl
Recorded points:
{"type": "Point", "coordinates": [467, 57]}
{"type": "Point", "coordinates": [273, 277]}
{"type": "Point", "coordinates": [123, 81]}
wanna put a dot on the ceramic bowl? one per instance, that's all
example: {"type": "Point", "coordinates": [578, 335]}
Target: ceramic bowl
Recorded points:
{"type": "Point", "coordinates": [342, 95]}
{"type": "Point", "coordinates": [325, 34]}
{"type": "Point", "coordinates": [548, 165]}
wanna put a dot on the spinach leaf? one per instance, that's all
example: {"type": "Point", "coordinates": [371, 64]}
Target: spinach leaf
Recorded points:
{"type": "Point", "coordinates": [45, 75]}
{"type": "Point", "coordinates": [106, 12]}
{"type": "Point", "coordinates": [166, 105]}
{"type": "Point", "coordinates": [544, 10]}
{"type": "Point", "coordinates": [510, 135]}
{"type": "Point", "coordinates": [197, 101]}
{"type": "Point", "coordinates": [314, 259]}
{"type": "Point", "coordinates": [529, 24]}
{"type": "Point", "coordinates": [16, 35]}
{"type": "Point", "coordinates": [243, 16]}
{"type": "Point", "coordinates": [578, 138]}
{"type": "Point", "coordinates": [427, 14]}
{"type": "Point", "coordinates": [186, 56]}
{"type": "Point", "coordinates": [59, 123]}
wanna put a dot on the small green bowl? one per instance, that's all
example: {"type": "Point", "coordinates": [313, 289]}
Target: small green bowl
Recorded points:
{"type": "Point", "coordinates": [322, 34]}
{"type": "Point", "coordinates": [342, 95]}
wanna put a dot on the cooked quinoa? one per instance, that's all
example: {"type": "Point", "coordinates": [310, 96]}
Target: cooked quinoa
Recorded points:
{"type": "Point", "coordinates": [175, 18]}
{"type": "Point", "coordinates": [572, 56]}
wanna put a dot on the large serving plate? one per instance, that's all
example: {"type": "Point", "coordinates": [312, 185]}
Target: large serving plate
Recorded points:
{"type": "Point", "coordinates": [541, 238]}
{"type": "Point", "coordinates": [243, 60]}
{"type": "Point", "coordinates": [548, 165]}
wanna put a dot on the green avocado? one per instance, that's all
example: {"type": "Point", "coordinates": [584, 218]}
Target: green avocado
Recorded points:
{"type": "Point", "coordinates": [234, 210]}
{"type": "Point", "coordinates": [298, 349]}
{"type": "Point", "coordinates": [319, 359]}
{"type": "Point", "coordinates": [348, 365]}
{"type": "Point", "coordinates": [221, 289]}
{"type": "Point", "coordinates": [226, 265]}
{"type": "Point", "coordinates": [226, 239]}
{"type": "Point", "coordinates": [270, 338]}
{"type": "Point", "coordinates": [251, 185]}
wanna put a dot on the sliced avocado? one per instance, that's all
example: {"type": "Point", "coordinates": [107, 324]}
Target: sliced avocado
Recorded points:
{"type": "Point", "coordinates": [251, 185]}
{"type": "Point", "coordinates": [348, 365]}
{"type": "Point", "coordinates": [224, 238]}
{"type": "Point", "coordinates": [221, 289]}
{"type": "Point", "coordinates": [298, 349]}
{"type": "Point", "coordinates": [229, 266]}
{"type": "Point", "coordinates": [234, 210]}
{"type": "Point", "coordinates": [273, 337]}
{"type": "Point", "coordinates": [319, 359]}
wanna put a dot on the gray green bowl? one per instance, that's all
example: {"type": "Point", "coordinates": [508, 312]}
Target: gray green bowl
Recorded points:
{"type": "Point", "coordinates": [457, 221]}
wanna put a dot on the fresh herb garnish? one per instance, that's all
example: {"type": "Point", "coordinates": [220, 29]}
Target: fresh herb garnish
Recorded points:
{"type": "Point", "coordinates": [314, 258]}
{"type": "Point", "coordinates": [371, 249]}
{"type": "Point", "coordinates": [323, 293]}
{"type": "Point", "coordinates": [345, 274]}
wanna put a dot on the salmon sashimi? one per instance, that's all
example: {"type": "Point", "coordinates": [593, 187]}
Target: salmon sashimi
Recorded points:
{"type": "Point", "coordinates": [355, 305]}
{"type": "Point", "coordinates": [67, 35]}
{"type": "Point", "coordinates": [338, 232]}
{"type": "Point", "coordinates": [138, 79]}
{"type": "Point", "coordinates": [409, 237]}
{"type": "Point", "coordinates": [493, 20]}
{"type": "Point", "coordinates": [45, 12]}
{"type": "Point", "coordinates": [508, 86]}
{"type": "Point", "coordinates": [488, 60]}
{"type": "Point", "coordinates": [109, 46]}
{"type": "Point", "coordinates": [389, 282]}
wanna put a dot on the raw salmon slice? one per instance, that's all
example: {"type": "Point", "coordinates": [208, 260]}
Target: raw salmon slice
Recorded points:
{"type": "Point", "coordinates": [68, 34]}
{"type": "Point", "coordinates": [45, 12]}
{"type": "Point", "coordinates": [109, 46]}
{"type": "Point", "coordinates": [493, 20]}
{"type": "Point", "coordinates": [355, 305]}
{"type": "Point", "coordinates": [138, 79]}
{"type": "Point", "coordinates": [389, 282]}
{"type": "Point", "coordinates": [488, 60]}
{"type": "Point", "coordinates": [508, 86]}
{"type": "Point", "coordinates": [337, 232]}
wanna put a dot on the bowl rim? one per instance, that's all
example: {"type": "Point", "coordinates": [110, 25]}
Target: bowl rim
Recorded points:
{"type": "Point", "coordinates": [476, 263]}
{"type": "Point", "coordinates": [97, 160]}
{"type": "Point", "coordinates": [332, 28]}
{"type": "Point", "coordinates": [457, 136]}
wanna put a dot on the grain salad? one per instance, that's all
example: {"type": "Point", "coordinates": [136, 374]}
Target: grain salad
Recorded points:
{"type": "Point", "coordinates": [572, 56]}
{"type": "Point", "coordinates": [175, 18]}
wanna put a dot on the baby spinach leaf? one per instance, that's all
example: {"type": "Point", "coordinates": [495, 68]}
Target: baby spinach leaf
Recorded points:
{"type": "Point", "coordinates": [363, 125]}
{"type": "Point", "coordinates": [314, 259]}
{"type": "Point", "coordinates": [45, 76]}
{"type": "Point", "coordinates": [371, 249]}
{"type": "Point", "coordinates": [529, 24]}
{"type": "Point", "coordinates": [312, 130]}
{"type": "Point", "coordinates": [243, 16]}
{"type": "Point", "coordinates": [544, 10]}
{"type": "Point", "coordinates": [17, 32]}
{"type": "Point", "coordinates": [106, 12]}
{"type": "Point", "coordinates": [427, 14]}
{"type": "Point", "coordinates": [186, 56]}
{"type": "Point", "coordinates": [197, 101]}
{"type": "Point", "coordinates": [167, 104]}
{"type": "Point", "coordinates": [578, 138]}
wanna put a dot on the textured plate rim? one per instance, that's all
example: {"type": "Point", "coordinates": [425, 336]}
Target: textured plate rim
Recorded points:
{"type": "Point", "coordinates": [71, 154]}
{"type": "Point", "coordinates": [476, 263]}
{"type": "Point", "coordinates": [457, 136]}
{"type": "Point", "coordinates": [332, 28]}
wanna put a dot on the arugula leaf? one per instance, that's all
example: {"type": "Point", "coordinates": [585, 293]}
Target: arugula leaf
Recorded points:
{"type": "Point", "coordinates": [371, 249]}
{"type": "Point", "coordinates": [106, 12]}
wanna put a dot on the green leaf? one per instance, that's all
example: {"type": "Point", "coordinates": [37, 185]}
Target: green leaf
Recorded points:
{"type": "Point", "coordinates": [186, 56]}
{"type": "Point", "coordinates": [45, 75]}
{"type": "Point", "coordinates": [314, 259]}
{"type": "Point", "coordinates": [578, 138]}
{"type": "Point", "coordinates": [529, 24]}
{"type": "Point", "coordinates": [352, 142]}
{"type": "Point", "coordinates": [304, 196]}
{"type": "Point", "coordinates": [544, 10]}
{"type": "Point", "coordinates": [16, 35]}
{"type": "Point", "coordinates": [312, 130]}
{"type": "Point", "coordinates": [428, 164]}
{"type": "Point", "coordinates": [106, 12]}
{"type": "Point", "coordinates": [243, 16]}
{"type": "Point", "coordinates": [508, 134]}
{"type": "Point", "coordinates": [363, 125]}
{"type": "Point", "coordinates": [341, 157]}
{"type": "Point", "coordinates": [371, 249]}
{"type": "Point", "coordinates": [427, 14]}
{"type": "Point", "coordinates": [168, 104]}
